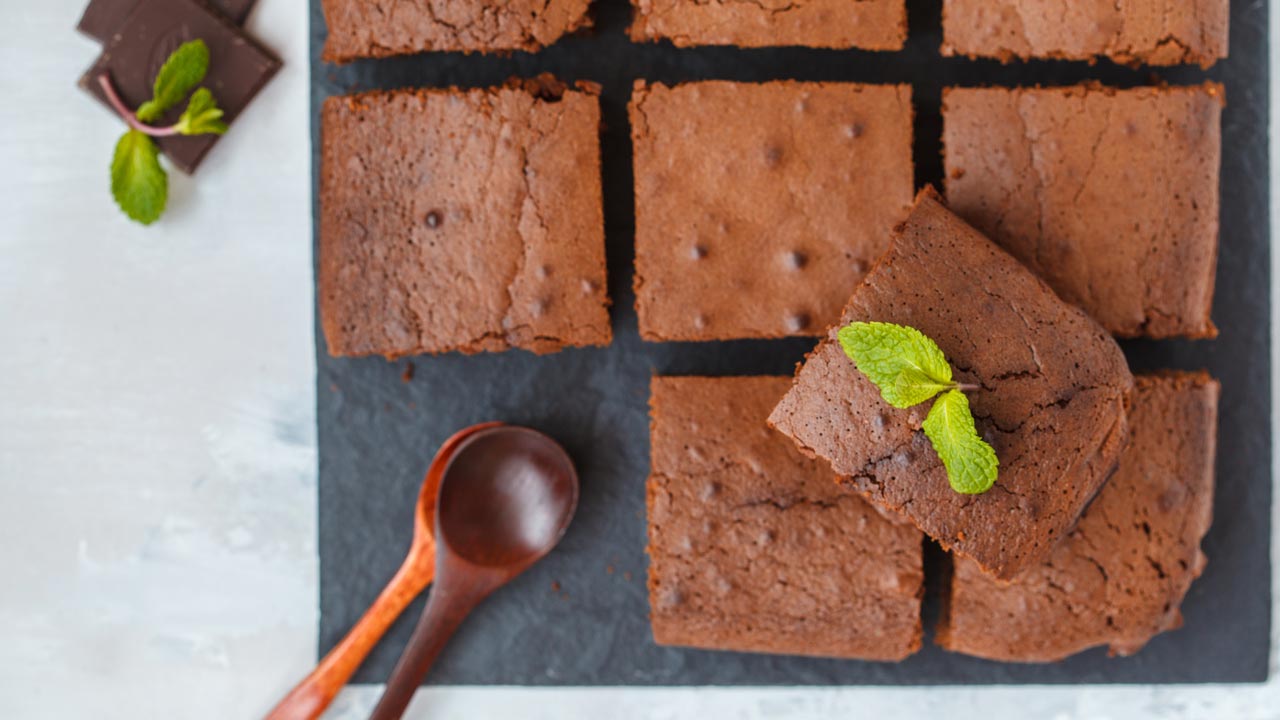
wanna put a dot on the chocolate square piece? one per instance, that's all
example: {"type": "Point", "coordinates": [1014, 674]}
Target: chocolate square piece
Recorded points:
{"type": "Point", "coordinates": [238, 66]}
{"type": "Point", "coordinates": [1109, 195]}
{"type": "Point", "coordinates": [754, 547]}
{"type": "Point", "coordinates": [866, 24]}
{"type": "Point", "coordinates": [759, 207]}
{"type": "Point", "coordinates": [381, 28]}
{"type": "Point", "coordinates": [1120, 576]}
{"type": "Point", "coordinates": [466, 220]}
{"type": "Point", "coordinates": [102, 18]}
{"type": "Point", "coordinates": [1135, 32]}
{"type": "Point", "coordinates": [1052, 391]}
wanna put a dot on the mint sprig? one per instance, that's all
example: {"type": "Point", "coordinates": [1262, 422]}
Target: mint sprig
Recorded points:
{"type": "Point", "coordinates": [139, 184]}
{"type": "Point", "coordinates": [909, 368]}
{"type": "Point", "coordinates": [179, 75]}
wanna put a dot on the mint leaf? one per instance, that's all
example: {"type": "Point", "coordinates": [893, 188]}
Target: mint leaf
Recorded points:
{"type": "Point", "coordinates": [913, 387]}
{"type": "Point", "coordinates": [908, 367]}
{"type": "Point", "coordinates": [184, 69]}
{"type": "Point", "coordinates": [971, 463]}
{"type": "Point", "coordinates": [138, 183]}
{"type": "Point", "coordinates": [202, 116]}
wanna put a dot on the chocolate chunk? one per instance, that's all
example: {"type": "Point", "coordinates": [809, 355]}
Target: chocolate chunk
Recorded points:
{"type": "Point", "coordinates": [102, 18]}
{"type": "Point", "coordinates": [238, 66]}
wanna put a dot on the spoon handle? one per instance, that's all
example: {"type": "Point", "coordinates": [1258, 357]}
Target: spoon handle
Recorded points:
{"type": "Point", "coordinates": [447, 606]}
{"type": "Point", "coordinates": [314, 693]}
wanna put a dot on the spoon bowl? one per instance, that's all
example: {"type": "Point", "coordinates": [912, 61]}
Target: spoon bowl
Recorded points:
{"type": "Point", "coordinates": [506, 498]}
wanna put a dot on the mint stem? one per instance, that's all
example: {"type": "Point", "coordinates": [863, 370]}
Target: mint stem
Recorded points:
{"type": "Point", "coordinates": [129, 118]}
{"type": "Point", "coordinates": [968, 387]}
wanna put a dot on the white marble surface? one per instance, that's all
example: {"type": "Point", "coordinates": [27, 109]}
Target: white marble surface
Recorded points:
{"type": "Point", "coordinates": [157, 444]}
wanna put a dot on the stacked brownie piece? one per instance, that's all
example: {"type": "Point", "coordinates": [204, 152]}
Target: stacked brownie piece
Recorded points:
{"type": "Point", "coordinates": [789, 516]}
{"type": "Point", "coordinates": [1091, 534]}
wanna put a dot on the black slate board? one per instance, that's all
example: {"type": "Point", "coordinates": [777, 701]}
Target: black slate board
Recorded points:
{"type": "Point", "coordinates": [377, 432]}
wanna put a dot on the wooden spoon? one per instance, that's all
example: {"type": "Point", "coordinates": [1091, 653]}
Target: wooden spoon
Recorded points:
{"type": "Point", "coordinates": [317, 690]}
{"type": "Point", "coordinates": [506, 499]}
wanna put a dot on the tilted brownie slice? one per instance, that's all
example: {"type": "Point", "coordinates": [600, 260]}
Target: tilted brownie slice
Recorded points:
{"type": "Point", "coordinates": [381, 28]}
{"type": "Point", "coordinates": [1110, 196]}
{"type": "Point", "coordinates": [754, 547]}
{"type": "Point", "coordinates": [1120, 576]}
{"type": "Point", "coordinates": [1135, 32]}
{"type": "Point", "coordinates": [466, 220]}
{"type": "Point", "coordinates": [866, 24]}
{"type": "Point", "coordinates": [1053, 387]}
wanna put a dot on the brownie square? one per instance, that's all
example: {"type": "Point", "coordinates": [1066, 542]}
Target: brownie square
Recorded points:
{"type": "Point", "coordinates": [1135, 32]}
{"type": "Point", "coordinates": [465, 220]}
{"type": "Point", "coordinates": [102, 18]}
{"type": "Point", "coordinates": [754, 547]}
{"type": "Point", "coordinates": [760, 206]}
{"type": "Point", "coordinates": [865, 24]}
{"type": "Point", "coordinates": [1053, 388]}
{"type": "Point", "coordinates": [1120, 576]}
{"type": "Point", "coordinates": [238, 67]}
{"type": "Point", "coordinates": [382, 28]}
{"type": "Point", "coordinates": [1109, 195]}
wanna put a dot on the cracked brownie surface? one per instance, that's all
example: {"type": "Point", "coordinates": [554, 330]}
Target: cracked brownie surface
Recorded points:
{"type": "Point", "coordinates": [755, 547]}
{"type": "Point", "coordinates": [1053, 388]}
{"type": "Point", "coordinates": [381, 28]}
{"type": "Point", "coordinates": [462, 220]}
{"type": "Point", "coordinates": [866, 24]}
{"type": "Point", "coordinates": [1109, 195]}
{"type": "Point", "coordinates": [1120, 576]}
{"type": "Point", "coordinates": [1135, 32]}
{"type": "Point", "coordinates": [759, 207]}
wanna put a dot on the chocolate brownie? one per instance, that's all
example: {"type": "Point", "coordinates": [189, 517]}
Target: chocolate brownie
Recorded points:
{"type": "Point", "coordinates": [754, 547]}
{"type": "Point", "coordinates": [760, 206]}
{"type": "Point", "coordinates": [238, 67]}
{"type": "Point", "coordinates": [1109, 195]}
{"type": "Point", "coordinates": [1053, 387]}
{"type": "Point", "coordinates": [381, 28]}
{"type": "Point", "coordinates": [1135, 32]}
{"type": "Point", "coordinates": [866, 24]}
{"type": "Point", "coordinates": [1120, 576]}
{"type": "Point", "coordinates": [465, 220]}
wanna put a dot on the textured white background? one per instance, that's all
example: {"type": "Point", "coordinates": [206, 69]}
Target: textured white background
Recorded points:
{"type": "Point", "coordinates": [157, 443]}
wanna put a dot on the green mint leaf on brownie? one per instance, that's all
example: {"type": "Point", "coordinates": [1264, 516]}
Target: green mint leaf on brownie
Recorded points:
{"type": "Point", "coordinates": [138, 183]}
{"type": "Point", "coordinates": [202, 116]}
{"type": "Point", "coordinates": [184, 70]}
{"type": "Point", "coordinates": [913, 387]}
{"type": "Point", "coordinates": [908, 367]}
{"type": "Point", "coordinates": [971, 463]}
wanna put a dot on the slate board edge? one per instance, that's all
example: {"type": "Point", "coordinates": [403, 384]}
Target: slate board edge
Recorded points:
{"type": "Point", "coordinates": [1242, 655]}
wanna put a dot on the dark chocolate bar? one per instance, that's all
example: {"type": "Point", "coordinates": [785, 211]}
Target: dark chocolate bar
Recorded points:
{"type": "Point", "coordinates": [102, 18]}
{"type": "Point", "coordinates": [238, 66]}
